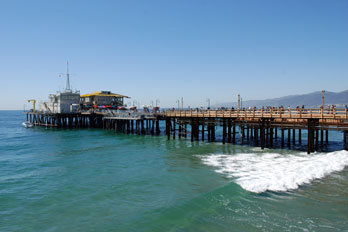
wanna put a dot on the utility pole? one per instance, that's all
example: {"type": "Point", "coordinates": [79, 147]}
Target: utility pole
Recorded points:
{"type": "Point", "coordinates": [182, 103]}
{"type": "Point", "coordinates": [323, 99]}
{"type": "Point", "coordinates": [208, 100]}
{"type": "Point", "coordinates": [238, 101]}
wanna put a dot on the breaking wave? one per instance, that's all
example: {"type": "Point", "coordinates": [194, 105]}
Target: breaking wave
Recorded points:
{"type": "Point", "coordinates": [260, 172]}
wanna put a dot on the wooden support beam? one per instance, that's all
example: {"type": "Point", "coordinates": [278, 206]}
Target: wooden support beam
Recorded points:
{"type": "Point", "coordinates": [314, 123]}
{"type": "Point", "coordinates": [299, 136]}
{"type": "Point", "coordinates": [168, 128]}
{"type": "Point", "coordinates": [316, 139]}
{"type": "Point", "coordinates": [153, 127]}
{"type": "Point", "coordinates": [282, 137]}
{"type": "Point", "coordinates": [158, 130]}
{"type": "Point", "coordinates": [197, 130]}
{"type": "Point", "coordinates": [209, 132]}
{"type": "Point", "coordinates": [229, 133]}
{"type": "Point", "coordinates": [203, 129]}
{"type": "Point", "coordinates": [234, 133]}
{"type": "Point", "coordinates": [213, 131]}
{"type": "Point", "coordinates": [137, 127]}
{"type": "Point", "coordinates": [248, 135]}
{"type": "Point", "coordinates": [289, 137]}
{"type": "Point", "coordinates": [242, 128]}
{"type": "Point", "coordinates": [223, 131]}
{"type": "Point", "coordinates": [267, 135]}
{"type": "Point", "coordinates": [327, 137]}
{"type": "Point", "coordinates": [262, 135]}
{"type": "Point", "coordinates": [271, 137]}
{"type": "Point", "coordinates": [192, 130]}
{"type": "Point", "coordinates": [321, 136]}
{"type": "Point", "coordinates": [180, 129]}
{"type": "Point", "coordinates": [174, 128]}
{"type": "Point", "coordinates": [310, 140]}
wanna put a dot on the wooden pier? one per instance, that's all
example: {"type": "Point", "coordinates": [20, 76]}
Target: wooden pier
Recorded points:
{"type": "Point", "coordinates": [65, 120]}
{"type": "Point", "coordinates": [139, 123]}
{"type": "Point", "coordinates": [258, 127]}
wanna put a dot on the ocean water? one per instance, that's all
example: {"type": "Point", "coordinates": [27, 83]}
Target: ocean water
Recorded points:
{"type": "Point", "coordinates": [96, 180]}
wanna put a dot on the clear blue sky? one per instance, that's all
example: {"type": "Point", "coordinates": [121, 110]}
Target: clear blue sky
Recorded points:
{"type": "Point", "coordinates": [169, 49]}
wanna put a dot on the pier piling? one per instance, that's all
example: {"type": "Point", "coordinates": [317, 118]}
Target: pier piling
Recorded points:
{"type": "Point", "coordinates": [255, 126]}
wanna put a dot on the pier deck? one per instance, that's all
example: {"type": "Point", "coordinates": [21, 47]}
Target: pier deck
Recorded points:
{"type": "Point", "coordinates": [257, 125]}
{"type": "Point", "coordinates": [260, 125]}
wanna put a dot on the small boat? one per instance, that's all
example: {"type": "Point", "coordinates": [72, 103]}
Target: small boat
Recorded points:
{"type": "Point", "coordinates": [27, 124]}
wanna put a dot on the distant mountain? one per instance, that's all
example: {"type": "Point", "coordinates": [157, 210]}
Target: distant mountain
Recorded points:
{"type": "Point", "coordinates": [309, 100]}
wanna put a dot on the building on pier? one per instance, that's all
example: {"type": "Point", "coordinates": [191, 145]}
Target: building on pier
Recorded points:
{"type": "Point", "coordinates": [105, 99]}
{"type": "Point", "coordinates": [62, 102]}
{"type": "Point", "coordinates": [67, 101]}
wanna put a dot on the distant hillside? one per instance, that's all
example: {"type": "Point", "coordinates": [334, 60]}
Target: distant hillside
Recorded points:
{"type": "Point", "coordinates": [314, 99]}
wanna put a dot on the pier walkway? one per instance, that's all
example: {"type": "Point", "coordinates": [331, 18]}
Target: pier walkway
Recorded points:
{"type": "Point", "coordinates": [260, 125]}
{"type": "Point", "coordinates": [257, 126]}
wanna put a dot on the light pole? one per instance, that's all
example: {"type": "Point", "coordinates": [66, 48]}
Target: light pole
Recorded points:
{"type": "Point", "coordinates": [182, 103]}
{"type": "Point", "coordinates": [178, 102]}
{"type": "Point", "coordinates": [208, 100]}
{"type": "Point", "coordinates": [323, 99]}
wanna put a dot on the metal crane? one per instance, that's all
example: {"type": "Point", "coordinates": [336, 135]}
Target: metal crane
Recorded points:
{"type": "Point", "coordinates": [34, 102]}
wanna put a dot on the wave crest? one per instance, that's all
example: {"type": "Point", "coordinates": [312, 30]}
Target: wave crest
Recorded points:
{"type": "Point", "coordinates": [259, 172]}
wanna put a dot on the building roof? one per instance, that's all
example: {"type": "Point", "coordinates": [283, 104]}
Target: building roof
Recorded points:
{"type": "Point", "coordinates": [103, 94]}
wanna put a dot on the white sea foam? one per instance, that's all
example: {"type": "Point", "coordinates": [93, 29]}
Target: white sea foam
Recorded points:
{"type": "Point", "coordinates": [259, 172]}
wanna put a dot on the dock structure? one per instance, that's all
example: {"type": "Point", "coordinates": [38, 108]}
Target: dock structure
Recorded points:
{"type": "Point", "coordinates": [260, 127]}
{"type": "Point", "coordinates": [133, 122]}
{"type": "Point", "coordinates": [126, 122]}
{"type": "Point", "coordinates": [65, 120]}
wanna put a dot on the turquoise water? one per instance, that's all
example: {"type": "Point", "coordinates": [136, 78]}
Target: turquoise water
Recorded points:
{"type": "Point", "coordinates": [95, 180]}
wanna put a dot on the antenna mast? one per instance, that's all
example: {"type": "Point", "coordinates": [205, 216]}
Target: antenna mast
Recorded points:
{"type": "Point", "coordinates": [67, 76]}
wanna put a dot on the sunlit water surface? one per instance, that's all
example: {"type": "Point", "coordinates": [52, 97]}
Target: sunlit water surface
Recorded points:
{"type": "Point", "coordinates": [95, 180]}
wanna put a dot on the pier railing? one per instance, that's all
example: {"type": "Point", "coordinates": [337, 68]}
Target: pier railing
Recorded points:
{"type": "Point", "coordinates": [339, 113]}
{"type": "Point", "coordinates": [128, 115]}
